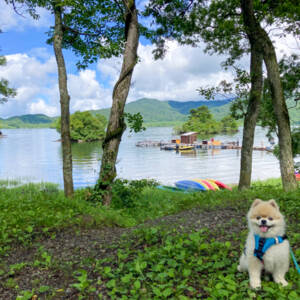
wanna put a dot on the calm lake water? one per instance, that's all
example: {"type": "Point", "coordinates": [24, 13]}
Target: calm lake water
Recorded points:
{"type": "Point", "coordinates": [35, 155]}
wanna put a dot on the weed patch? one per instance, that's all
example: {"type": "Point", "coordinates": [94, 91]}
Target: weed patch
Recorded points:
{"type": "Point", "coordinates": [188, 248]}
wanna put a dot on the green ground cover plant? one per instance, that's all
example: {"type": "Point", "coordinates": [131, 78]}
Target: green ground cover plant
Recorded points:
{"type": "Point", "coordinates": [153, 245]}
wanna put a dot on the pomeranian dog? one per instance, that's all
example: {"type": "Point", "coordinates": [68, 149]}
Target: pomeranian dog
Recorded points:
{"type": "Point", "coordinates": [267, 247]}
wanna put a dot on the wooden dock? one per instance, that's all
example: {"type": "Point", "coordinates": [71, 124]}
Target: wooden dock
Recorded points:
{"type": "Point", "coordinates": [197, 145]}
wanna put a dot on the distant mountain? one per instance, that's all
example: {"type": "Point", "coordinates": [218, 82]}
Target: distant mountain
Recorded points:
{"type": "Point", "coordinates": [185, 107]}
{"type": "Point", "coordinates": [27, 121]}
{"type": "Point", "coordinates": [154, 112]}
{"type": "Point", "coordinates": [160, 112]}
{"type": "Point", "coordinates": [32, 119]}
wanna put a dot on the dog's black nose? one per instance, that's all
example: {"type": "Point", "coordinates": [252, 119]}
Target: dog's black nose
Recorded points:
{"type": "Point", "coordinates": [263, 222]}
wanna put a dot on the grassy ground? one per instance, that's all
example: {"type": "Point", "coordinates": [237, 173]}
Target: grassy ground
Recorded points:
{"type": "Point", "coordinates": [151, 244]}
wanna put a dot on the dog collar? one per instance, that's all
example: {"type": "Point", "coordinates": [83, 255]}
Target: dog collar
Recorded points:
{"type": "Point", "coordinates": [263, 244]}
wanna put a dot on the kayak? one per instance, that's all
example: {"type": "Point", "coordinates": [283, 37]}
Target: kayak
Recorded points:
{"type": "Point", "coordinates": [205, 183]}
{"type": "Point", "coordinates": [297, 177]}
{"type": "Point", "coordinates": [190, 185]}
{"type": "Point", "coordinates": [212, 182]}
{"type": "Point", "coordinates": [199, 185]}
{"type": "Point", "coordinates": [221, 185]}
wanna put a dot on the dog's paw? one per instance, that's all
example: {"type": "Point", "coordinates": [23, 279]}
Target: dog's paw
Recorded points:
{"type": "Point", "coordinates": [283, 282]}
{"type": "Point", "coordinates": [255, 284]}
{"type": "Point", "coordinates": [239, 268]}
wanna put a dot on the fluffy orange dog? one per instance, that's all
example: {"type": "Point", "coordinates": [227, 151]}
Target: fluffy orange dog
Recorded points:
{"type": "Point", "coordinates": [267, 246]}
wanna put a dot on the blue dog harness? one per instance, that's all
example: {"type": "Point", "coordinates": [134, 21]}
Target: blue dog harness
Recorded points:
{"type": "Point", "coordinates": [263, 244]}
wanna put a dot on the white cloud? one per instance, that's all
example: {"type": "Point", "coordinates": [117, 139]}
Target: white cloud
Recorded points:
{"type": "Point", "coordinates": [110, 69]}
{"type": "Point", "coordinates": [41, 106]}
{"type": "Point", "coordinates": [35, 79]}
{"type": "Point", "coordinates": [86, 92]}
{"type": "Point", "coordinates": [25, 70]}
{"type": "Point", "coordinates": [9, 19]}
{"type": "Point", "coordinates": [178, 75]}
{"type": "Point", "coordinates": [32, 78]}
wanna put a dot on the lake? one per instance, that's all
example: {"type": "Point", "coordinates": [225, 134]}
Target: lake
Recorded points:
{"type": "Point", "coordinates": [34, 155]}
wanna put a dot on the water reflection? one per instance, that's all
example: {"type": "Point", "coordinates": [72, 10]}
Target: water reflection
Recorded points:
{"type": "Point", "coordinates": [34, 154]}
{"type": "Point", "coordinates": [86, 163]}
{"type": "Point", "coordinates": [189, 153]}
{"type": "Point", "coordinates": [86, 151]}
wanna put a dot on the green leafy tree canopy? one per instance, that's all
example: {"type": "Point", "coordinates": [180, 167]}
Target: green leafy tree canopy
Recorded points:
{"type": "Point", "coordinates": [201, 120]}
{"type": "Point", "coordinates": [86, 127]}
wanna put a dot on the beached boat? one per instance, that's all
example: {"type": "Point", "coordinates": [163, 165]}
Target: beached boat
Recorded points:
{"type": "Point", "coordinates": [190, 185]}
{"type": "Point", "coordinates": [207, 184]}
{"type": "Point", "coordinates": [221, 185]}
{"type": "Point", "coordinates": [201, 185]}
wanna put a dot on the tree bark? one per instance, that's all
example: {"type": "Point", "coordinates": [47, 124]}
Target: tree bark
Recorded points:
{"type": "Point", "coordinates": [257, 35]}
{"type": "Point", "coordinates": [64, 103]}
{"type": "Point", "coordinates": [251, 117]}
{"type": "Point", "coordinates": [116, 124]}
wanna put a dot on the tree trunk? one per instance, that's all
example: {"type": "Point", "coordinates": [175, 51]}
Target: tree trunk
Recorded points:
{"type": "Point", "coordinates": [251, 117]}
{"type": "Point", "coordinates": [116, 124]}
{"type": "Point", "coordinates": [64, 104]}
{"type": "Point", "coordinates": [257, 35]}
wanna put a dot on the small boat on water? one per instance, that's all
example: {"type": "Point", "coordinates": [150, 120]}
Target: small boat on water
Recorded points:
{"type": "Point", "coordinates": [186, 148]}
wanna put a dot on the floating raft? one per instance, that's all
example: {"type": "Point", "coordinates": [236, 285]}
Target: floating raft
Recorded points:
{"type": "Point", "coordinates": [201, 185]}
{"type": "Point", "coordinates": [196, 145]}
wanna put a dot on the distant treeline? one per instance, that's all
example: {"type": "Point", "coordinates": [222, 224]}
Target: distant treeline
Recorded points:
{"type": "Point", "coordinates": [154, 112]}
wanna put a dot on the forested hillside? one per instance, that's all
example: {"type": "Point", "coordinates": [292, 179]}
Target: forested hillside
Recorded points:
{"type": "Point", "coordinates": [154, 112]}
{"type": "Point", "coordinates": [27, 121]}
{"type": "Point", "coordinates": [157, 112]}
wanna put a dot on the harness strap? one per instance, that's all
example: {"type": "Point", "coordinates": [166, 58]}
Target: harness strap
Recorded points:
{"type": "Point", "coordinates": [263, 244]}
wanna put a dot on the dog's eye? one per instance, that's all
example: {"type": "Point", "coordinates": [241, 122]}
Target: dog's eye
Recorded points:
{"type": "Point", "coordinates": [258, 217]}
{"type": "Point", "coordinates": [270, 219]}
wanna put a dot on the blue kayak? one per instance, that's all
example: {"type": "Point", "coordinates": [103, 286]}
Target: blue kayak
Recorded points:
{"type": "Point", "coordinates": [190, 185]}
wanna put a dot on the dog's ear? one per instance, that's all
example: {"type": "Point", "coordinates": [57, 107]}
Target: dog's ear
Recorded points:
{"type": "Point", "coordinates": [255, 203]}
{"type": "Point", "coordinates": [273, 203]}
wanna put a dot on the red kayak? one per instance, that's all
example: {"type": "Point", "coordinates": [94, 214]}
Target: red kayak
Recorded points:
{"type": "Point", "coordinates": [221, 184]}
{"type": "Point", "coordinates": [297, 177]}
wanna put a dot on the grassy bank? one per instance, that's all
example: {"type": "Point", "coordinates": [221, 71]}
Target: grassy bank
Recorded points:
{"type": "Point", "coordinates": [188, 248]}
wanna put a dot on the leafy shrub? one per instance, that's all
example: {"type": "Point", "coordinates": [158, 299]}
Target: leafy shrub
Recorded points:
{"type": "Point", "coordinates": [229, 124]}
{"type": "Point", "coordinates": [85, 127]}
{"type": "Point", "coordinates": [201, 120]}
{"type": "Point", "coordinates": [125, 193]}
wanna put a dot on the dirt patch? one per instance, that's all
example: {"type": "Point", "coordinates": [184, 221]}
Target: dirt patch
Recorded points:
{"type": "Point", "coordinates": [69, 247]}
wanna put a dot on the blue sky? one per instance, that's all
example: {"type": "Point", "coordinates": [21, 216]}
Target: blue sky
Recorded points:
{"type": "Point", "coordinates": [31, 69]}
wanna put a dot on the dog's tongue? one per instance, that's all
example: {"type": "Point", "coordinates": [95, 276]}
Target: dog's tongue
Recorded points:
{"type": "Point", "coordinates": [263, 228]}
